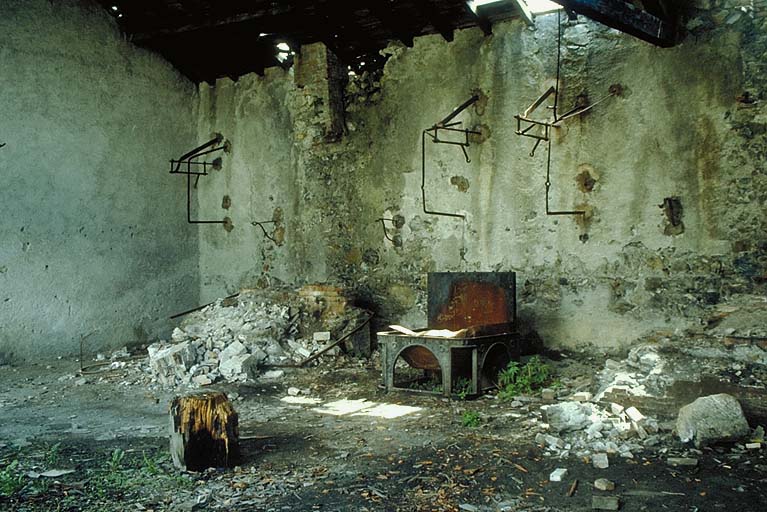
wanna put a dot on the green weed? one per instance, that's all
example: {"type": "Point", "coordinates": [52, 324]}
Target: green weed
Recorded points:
{"type": "Point", "coordinates": [462, 388]}
{"type": "Point", "coordinates": [115, 461]}
{"type": "Point", "coordinates": [518, 379]}
{"type": "Point", "coordinates": [52, 455]}
{"type": "Point", "coordinates": [11, 480]}
{"type": "Point", "coordinates": [150, 466]}
{"type": "Point", "coordinates": [471, 419]}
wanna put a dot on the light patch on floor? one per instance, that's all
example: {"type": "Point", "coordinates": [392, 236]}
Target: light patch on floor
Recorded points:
{"type": "Point", "coordinates": [363, 407]}
{"type": "Point", "coordinates": [301, 400]}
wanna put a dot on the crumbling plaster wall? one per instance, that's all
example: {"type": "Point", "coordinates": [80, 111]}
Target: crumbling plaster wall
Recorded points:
{"type": "Point", "coordinates": [680, 129]}
{"type": "Point", "coordinates": [93, 230]}
{"type": "Point", "coordinates": [259, 176]}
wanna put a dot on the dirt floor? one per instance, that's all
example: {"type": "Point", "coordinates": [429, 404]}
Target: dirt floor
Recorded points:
{"type": "Point", "coordinates": [341, 444]}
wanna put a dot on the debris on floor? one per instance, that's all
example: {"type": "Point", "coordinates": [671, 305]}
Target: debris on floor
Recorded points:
{"type": "Point", "coordinates": [239, 340]}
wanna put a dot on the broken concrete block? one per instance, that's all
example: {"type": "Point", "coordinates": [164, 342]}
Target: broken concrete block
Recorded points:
{"type": "Point", "coordinates": [234, 366]}
{"type": "Point", "coordinates": [235, 349]}
{"type": "Point", "coordinates": [568, 416]}
{"type": "Point", "coordinates": [294, 391]}
{"type": "Point", "coordinates": [712, 419]}
{"type": "Point", "coordinates": [682, 461]}
{"type": "Point", "coordinates": [321, 336]}
{"type": "Point", "coordinates": [603, 484]}
{"type": "Point", "coordinates": [605, 503]}
{"type": "Point", "coordinates": [635, 416]}
{"type": "Point", "coordinates": [170, 362]}
{"type": "Point", "coordinates": [557, 475]}
{"type": "Point", "coordinates": [554, 442]}
{"type": "Point", "coordinates": [548, 394]}
{"type": "Point", "coordinates": [600, 461]}
{"type": "Point", "coordinates": [540, 438]}
{"type": "Point", "coordinates": [616, 409]}
{"type": "Point", "coordinates": [202, 380]}
{"type": "Point", "coordinates": [273, 374]}
{"type": "Point", "coordinates": [582, 396]}
{"type": "Point", "coordinates": [753, 446]}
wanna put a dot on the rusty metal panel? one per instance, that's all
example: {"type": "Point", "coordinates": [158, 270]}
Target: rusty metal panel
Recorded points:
{"type": "Point", "coordinates": [457, 300]}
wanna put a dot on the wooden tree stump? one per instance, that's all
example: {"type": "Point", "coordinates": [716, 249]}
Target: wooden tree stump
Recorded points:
{"type": "Point", "coordinates": [203, 432]}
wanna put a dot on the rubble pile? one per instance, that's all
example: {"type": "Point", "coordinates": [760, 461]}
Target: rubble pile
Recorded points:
{"type": "Point", "coordinates": [651, 368]}
{"type": "Point", "coordinates": [239, 341]}
{"type": "Point", "coordinates": [586, 428]}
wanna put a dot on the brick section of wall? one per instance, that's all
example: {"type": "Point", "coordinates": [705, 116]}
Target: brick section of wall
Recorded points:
{"type": "Point", "coordinates": [321, 76]}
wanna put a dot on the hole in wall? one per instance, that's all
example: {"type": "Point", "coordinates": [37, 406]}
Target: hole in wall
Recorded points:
{"type": "Point", "coordinates": [228, 225]}
{"type": "Point", "coordinates": [226, 202]}
{"type": "Point", "coordinates": [673, 211]}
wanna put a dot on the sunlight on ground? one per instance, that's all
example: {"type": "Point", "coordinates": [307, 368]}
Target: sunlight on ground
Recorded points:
{"type": "Point", "coordinates": [302, 400]}
{"type": "Point", "coordinates": [359, 407]}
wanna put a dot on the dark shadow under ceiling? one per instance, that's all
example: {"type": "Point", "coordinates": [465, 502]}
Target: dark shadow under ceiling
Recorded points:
{"type": "Point", "coordinates": [207, 40]}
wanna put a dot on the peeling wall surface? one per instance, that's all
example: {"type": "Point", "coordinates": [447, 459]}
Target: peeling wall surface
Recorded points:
{"type": "Point", "coordinates": [94, 240]}
{"type": "Point", "coordinates": [670, 172]}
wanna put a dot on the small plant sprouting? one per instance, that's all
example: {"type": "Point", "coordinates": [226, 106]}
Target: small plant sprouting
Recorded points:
{"type": "Point", "coordinates": [11, 481]}
{"type": "Point", "coordinates": [150, 465]}
{"type": "Point", "coordinates": [52, 456]}
{"type": "Point", "coordinates": [518, 379]}
{"type": "Point", "coordinates": [116, 460]}
{"type": "Point", "coordinates": [471, 419]}
{"type": "Point", "coordinates": [462, 388]}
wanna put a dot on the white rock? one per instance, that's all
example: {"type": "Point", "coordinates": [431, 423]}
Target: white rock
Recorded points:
{"type": "Point", "coordinates": [600, 461]}
{"type": "Point", "coordinates": [710, 419]}
{"type": "Point", "coordinates": [321, 336]}
{"type": "Point", "coordinates": [635, 415]}
{"type": "Point", "coordinates": [568, 416]}
{"type": "Point", "coordinates": [616, 409]}
{"type": "Point", "coordinates": [294, 391]}
{"type": "Point", "coordinates": [234, 367]}
{"type": "Point", "coordinates": [234, 349]}
{"type": "Point", "coordinates": [557, 475]}
{"type": "Point", "coordinates": [582, 396]}
{"type": "Point", "coordinates": [603, 484]}
{"type": "Point", "coordinates": [273, 374]}
{"type": "Point", "coordinates": [202, 380]}
{"type": "Point", "coordinates": [554, 442]}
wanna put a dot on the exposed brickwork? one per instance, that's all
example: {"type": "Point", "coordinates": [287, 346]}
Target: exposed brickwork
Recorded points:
{"type": "Point", "coordinates": [321, 77]}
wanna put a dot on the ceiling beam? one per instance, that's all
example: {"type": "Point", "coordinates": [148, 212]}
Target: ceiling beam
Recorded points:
{"type": "Point", "coordinates": [435, 18]}
{"type": "Point", "coordinates": [625, 17]}
{"type": "Point", "coordinates": [527, 14]}
{"type": "Point", "coordinates": [395, 25]}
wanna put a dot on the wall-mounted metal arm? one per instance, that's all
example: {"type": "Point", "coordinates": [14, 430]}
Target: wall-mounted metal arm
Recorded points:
{"type": "Point", "coordinates": [266, 233]}
{"type": "Point", "coordinates": [186, 164]}
{"type": "Point", "coordinates": [460, 108]}
{"type": "Point", "coordinates": [433, 132]}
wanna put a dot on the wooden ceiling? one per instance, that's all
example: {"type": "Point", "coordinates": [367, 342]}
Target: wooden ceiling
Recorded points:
{"type": "Point", "coordinates": [206, 40]}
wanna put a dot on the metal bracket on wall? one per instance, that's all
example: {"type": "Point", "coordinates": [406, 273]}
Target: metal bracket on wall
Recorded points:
{"type": "Point", "coordinates": [266, 233]}
{"type": "Point", "coordinates": [187, 165]}
{"type": "Point", "coordinates": [526, 125]}
{"type": "Point", "coordinates": [398, 222]}
{"type": "Point", "coordinates": [446, 126]}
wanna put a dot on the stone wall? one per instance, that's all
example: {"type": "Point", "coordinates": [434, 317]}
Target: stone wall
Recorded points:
{"type": "Point", "coordinates": [671, 173]}
{"type": "Point", "coordinates": [94, 236]}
